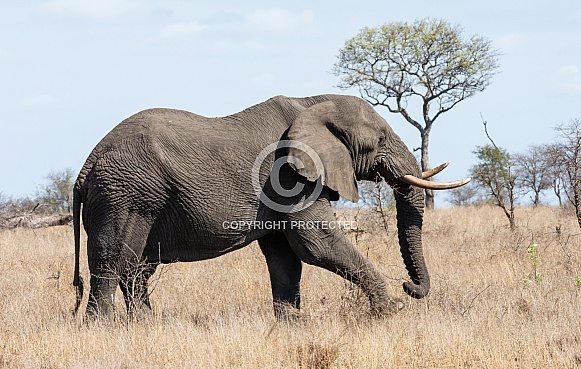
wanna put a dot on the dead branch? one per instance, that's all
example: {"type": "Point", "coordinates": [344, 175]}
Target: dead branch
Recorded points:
{"type": "Point", "coordinates": [35, 221]}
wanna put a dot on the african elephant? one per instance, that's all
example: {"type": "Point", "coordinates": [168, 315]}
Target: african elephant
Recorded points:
{"type": "Point", "coordinates": [168, 185]}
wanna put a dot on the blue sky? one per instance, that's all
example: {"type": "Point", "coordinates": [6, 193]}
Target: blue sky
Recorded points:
{"type": "Point", "coordinates": [70, 70]}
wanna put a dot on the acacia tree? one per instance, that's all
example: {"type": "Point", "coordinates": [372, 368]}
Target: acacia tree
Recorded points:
{"type": "Point", "coordinates": [419, 70]}
{"type": "Point", "coordinates": [495, 173]}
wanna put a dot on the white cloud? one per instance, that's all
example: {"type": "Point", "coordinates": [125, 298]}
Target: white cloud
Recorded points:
{"type": "Point", "coordinates": [178, 30]}
{"type": "Point", "coordinates": [279, 20]}
{"type": "Point", "coordinates": [572, 76]}
{"type": "Point", "coordinates": [510, 41]}
{"type": "Point", "coordinates": [39, 101]}
{"type": "Point", "coordinates": [230, 47]}
{"type": "Point", "coordinates": [100, 9]}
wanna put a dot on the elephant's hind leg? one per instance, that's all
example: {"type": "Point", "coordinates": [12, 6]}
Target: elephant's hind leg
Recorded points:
{"type": "Point", "coordinates": [133, 284]}
{"type": "Point", "coordinates": [285, 270]}
{"type": "Point", "coordinates": [114, 251]}
{"type": "Point", "coordinates": [102, 296]}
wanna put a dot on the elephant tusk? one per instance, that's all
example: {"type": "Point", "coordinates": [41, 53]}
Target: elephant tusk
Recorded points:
{"type": "Point", "coordinates": [432, 172]}
{"type": "Point", "coordinates": [429, 185]}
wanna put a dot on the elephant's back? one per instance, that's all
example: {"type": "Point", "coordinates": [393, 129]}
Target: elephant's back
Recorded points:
{"type": "Point", "coordinates": [163, 157]}
{"type": "Point", "coordinates": [134, 135]}
{"type": "Point", "coordinates": [145, 126]}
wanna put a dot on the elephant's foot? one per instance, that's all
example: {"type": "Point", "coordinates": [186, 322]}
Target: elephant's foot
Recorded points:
{"type": "Point", "coordinates": [101, 304]}
{"type": "Point", "coordinates": [285, 311]}
{"type": "Point", "coordinates": [139, 310]}
{"type": "Point", "coordinates": [99, 310]}
{"type": "Point", "coordinates": [381, 302]}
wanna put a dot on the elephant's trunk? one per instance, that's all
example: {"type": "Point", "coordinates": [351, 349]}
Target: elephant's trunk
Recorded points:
{"type": "Point", "coordinates": [410, 208]}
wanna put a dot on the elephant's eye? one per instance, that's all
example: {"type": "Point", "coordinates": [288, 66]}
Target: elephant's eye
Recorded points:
{"type": "Point", "coordinates": [381, 139]}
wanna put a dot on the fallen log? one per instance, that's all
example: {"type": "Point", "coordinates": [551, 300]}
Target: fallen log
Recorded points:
{"type": "Point", "coordinates": [37, 221]}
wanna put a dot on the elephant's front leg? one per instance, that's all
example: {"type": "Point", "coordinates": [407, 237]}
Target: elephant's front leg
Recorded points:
{"type": "Point", "coordinates": [324, 244]}
{"type": "Point", "coordinates": [285, 270]}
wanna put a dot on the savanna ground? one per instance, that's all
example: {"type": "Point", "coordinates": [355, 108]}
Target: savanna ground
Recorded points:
{"type": "Point", "coordinates": [496, 302]}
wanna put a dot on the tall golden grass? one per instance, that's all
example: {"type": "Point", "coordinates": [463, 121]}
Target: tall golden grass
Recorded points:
{"type": "Point", "coordinates": [495, 303]}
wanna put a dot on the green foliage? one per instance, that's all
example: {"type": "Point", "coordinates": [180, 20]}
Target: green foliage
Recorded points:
{"type": "Point", "coordinates": [426, 65]}
{"type": "Point", "coordinates": [427, 59]}
{"type": "Point", "coordinates": [56, 195]}
{"type": "Point", "coordinates": [532, 252]}
{"type": "Point", "coordinates": [493, 164]}
{"type": "Point", "coordinates": [494, 173]}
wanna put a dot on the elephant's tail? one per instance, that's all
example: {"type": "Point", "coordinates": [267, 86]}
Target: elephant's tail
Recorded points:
{"type": "Point", "coordinates": [78, 280]}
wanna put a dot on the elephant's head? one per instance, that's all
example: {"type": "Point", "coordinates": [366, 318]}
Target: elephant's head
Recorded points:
{"type": "Point", "coordinates": [355, 143]}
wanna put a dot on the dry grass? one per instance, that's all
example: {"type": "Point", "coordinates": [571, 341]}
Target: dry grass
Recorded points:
{"type": "Point", "coordinates": [487, 307]}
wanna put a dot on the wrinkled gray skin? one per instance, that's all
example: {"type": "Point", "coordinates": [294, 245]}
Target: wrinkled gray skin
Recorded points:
{"type": "Point", "coordinates": [161, 184]}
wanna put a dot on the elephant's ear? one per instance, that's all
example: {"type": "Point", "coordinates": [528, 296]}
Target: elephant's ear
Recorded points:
{"type": "Point", "coordinates": [316, 128]}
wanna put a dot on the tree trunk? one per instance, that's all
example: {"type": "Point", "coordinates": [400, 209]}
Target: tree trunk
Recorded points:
{"type": "Point", "coordinates": [557, 190]}
{"type": "Point", "coordinates": [511, 221]}
{"type": "Point", "coordinates": [429, 194]}
{"type": "Point", "coordinates": [537, 199]}
{"type": "Point", "coordinates": [577, 203]}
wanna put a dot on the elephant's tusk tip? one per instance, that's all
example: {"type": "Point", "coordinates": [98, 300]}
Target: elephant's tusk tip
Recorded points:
{"type": "Point", "coordinates": [422, 183]}
{"type": "Point", "coordinates": [461, 182]}
{"type": "Point", "coordinates": [432, 172]}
